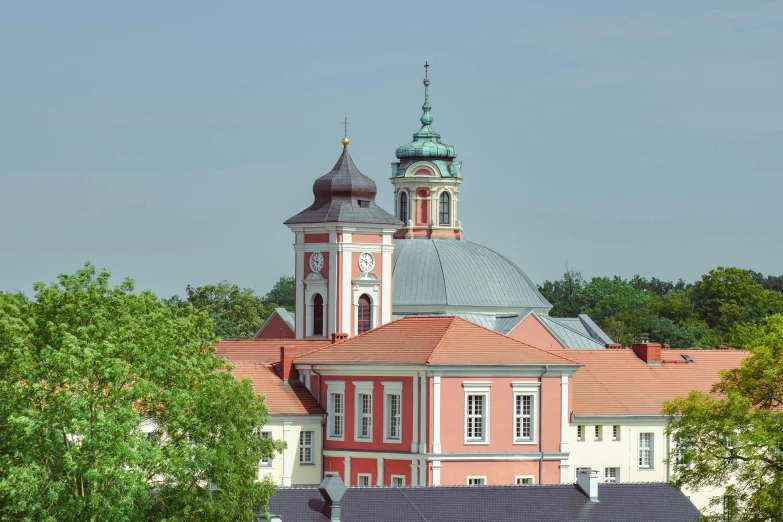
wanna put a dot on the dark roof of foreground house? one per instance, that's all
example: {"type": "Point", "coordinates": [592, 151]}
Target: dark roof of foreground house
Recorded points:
{"type": "Point", "coordinates": [624, 502]}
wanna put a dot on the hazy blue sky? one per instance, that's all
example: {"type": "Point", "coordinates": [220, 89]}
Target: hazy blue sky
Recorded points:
{"type": "Point", "coordinates": [168, 141]}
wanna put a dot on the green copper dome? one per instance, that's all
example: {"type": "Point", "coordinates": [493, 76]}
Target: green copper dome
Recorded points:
{"type": "Point", "coordinates": [426, 143]}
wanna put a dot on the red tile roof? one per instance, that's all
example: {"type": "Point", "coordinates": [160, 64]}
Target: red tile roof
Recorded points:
{"type": "Point", "coordinates": [281, 398]}
{"type": "Point", "coordinates": [432, 340]}
{"type": "Point", "coordinates": [263, 350]}
{"type": "Point", "coordinates": [617, 382]}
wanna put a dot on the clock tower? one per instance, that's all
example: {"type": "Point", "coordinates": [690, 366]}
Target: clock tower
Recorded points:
{"type": "Point", "coordinates": [343, 250]}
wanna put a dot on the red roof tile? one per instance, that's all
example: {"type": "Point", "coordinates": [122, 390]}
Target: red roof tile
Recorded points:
{"type": "Point", "coordinates": [617, 382]}
{"type": "Point", "coordinates": [263, 350]}
{"type": "Point", "coordinates": [281, 398]}
{"type": "Point", "coordinates": [432, 340]}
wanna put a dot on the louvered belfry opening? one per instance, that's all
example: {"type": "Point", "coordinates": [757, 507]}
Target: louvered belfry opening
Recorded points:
{"type": "Point", "coordinates": [364, 313]}
{"type": "Point", "coordinates": [318, 315]}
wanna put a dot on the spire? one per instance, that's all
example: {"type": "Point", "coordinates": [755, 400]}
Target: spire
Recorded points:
{"type": "Point", "coordinates": [426, 117]}
{"type": "Point", "coordinates": [345, 123]}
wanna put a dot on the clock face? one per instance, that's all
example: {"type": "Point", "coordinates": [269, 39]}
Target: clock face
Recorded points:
{"type": "Point", "coordinates": [316, 262]}
{"type": "Point", "coordinates": [366, 262]}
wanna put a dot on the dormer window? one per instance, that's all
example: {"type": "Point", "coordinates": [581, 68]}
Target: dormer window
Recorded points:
{"type": "Point", "coordinates": [364, 203]}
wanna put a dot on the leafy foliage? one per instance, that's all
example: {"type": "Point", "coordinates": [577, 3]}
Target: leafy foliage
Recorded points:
{"type": "Point", "coordinates": [680, 314]}
{"type": "Point", "coordinates": [82, 366]}
{"type": "Point", "coordinates": [735, 437]}
{"type": "Point", "coordinates": [282, 294]}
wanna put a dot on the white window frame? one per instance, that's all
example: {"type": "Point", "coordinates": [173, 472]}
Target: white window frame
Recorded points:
{"type": "Point", "coordinates": [481, 389]}
{"type": "Point", "coordinates": [615, 432]}
{"type": "Point", "coordinates": [362, 388]}
{"type": "Point", "coordinates": [517, 478]}
{"type": "Point", "coordinates": [483, 478]}
{"type": "Point", "coordinates": [360, 476]}
{"type": "Point", "coordinates": [303, 446]}
{"type": "Point", "coordinates": [616, 478]}
{"type": "Point", "coordinates": [598, 433]}
{"type": "Point", "coordinates": [265, 434]}
{"type": "Point", "coordinates": [390, 389]}
{"type": "Point", "coordinates": [398, 477]}
{"type": "Point", "coordinates": [334, 387]}
{"type": "Point", "coordinates": [650, 450]}
{"type": "Point", "coordinates": [580, 437]}
{"type": "Point", "coordinates": [521, 389]}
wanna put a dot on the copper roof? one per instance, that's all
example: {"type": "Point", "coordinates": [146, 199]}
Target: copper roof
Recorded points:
{"type": "Point", "coordinates": [432, 340]}
{"type": "Point", "coordinates": [617, 382]}
{"type": "Point", "coordinates": [282, 398]}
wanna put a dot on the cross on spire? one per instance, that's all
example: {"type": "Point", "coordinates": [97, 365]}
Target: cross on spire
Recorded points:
{"type": "Point", "coordinates": [345, 124]}
{"type": "Point", "coordinates": [426, 68]}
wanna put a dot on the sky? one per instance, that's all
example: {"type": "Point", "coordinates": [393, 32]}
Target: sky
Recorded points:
{"type": "Point", "coordinates": [168, 141]}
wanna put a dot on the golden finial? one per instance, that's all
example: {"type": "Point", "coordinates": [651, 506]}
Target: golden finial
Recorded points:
{"type": "Point", "coordinates": [345, 138]}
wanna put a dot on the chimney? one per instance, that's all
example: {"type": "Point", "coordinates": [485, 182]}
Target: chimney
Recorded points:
{"type": "Point", "coordinates": [332, 488]}
{"type": "Point", "coordinates": [614, 346]}
{"type": "Point", "coordinates": [287, 355]}
{"type": "Point", "coordinates": [648, 352]}
{"type": "Point", "coordinates": [587, 481]}
{"type": "Point", "coordinates": [722, 347]}
{"type": "Point", "coordinates": [339, 337]}
{"type": "Point", "coordinates": [666, 347]}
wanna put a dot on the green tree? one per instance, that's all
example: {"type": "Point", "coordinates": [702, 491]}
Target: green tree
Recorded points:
{"type": "Point", "coordinates": [734, 436]}
{"type": "Point", "coordinates": [237, 312]}
{"type": "Point", "coordinates": [282, 294]}
{"type": "Point", "coordinates": [83, 366]}
{"type": "Point", "coordinates": [603, 297]}
{"type": "Point", "coordinates": [729, 296]}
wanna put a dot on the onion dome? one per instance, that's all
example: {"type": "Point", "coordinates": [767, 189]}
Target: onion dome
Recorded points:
{"type": "Point", "coordinates": [426, 143]}
{"type": "Point", "coordinates": [344, 195]}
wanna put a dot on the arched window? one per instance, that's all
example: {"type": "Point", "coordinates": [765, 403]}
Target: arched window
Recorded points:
{"type": "Point", "coordinates": [445, 209]}
{"type": "Point", "coordinates": [364, 314]}
{"type": "Point", "coordinates": [318, 315]}
{"type": "Point", "coordinates": [404, 208]}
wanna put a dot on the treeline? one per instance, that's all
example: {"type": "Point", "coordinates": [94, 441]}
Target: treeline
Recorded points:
{"type": "Point", "coordinates": [237, 312]}
{"type": "Point", "coordinates": [717, 309]}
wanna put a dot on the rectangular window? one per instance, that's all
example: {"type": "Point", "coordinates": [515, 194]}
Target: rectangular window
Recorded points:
{"type": "Point", "coordinates": [612, 475]}
{"type": "Point", "coordinates": [363, 411]}
{"type": "Point", "coordinates": [475, 418]}
{"type": "Point", "coordinates": [616, 432]}
{"type": "Point", "coordinates": [335, 421]}
{"type": "Point", "coordinates": [476, 412]}
{"type": "Point", "coordinates": [266, 460]}
{"type": "Point", "coordinates": [524, 480]}
{"type": "Point", "coordinates": [306, 447]}
{"type": "Point", "coordinates": [580, 432]}
{"type": "Point", "coordinates": [392, 415]}
{"type": "Point", "coordinates": [477, 481]}
{"type": "Point", "coordinates": [398, 481]}
{"type": "Point", "coordinates": [598, 432]}
{"type": "Point", "coordinates": [524, 408]}
{"type": "Point", "coordinates": [646, 451]}
{"type": "Point", "coordinates": [364, 480]}
{"type": "Point", "coordinates": [337, 409]}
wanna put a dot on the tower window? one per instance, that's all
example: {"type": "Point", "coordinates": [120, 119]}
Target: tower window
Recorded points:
{"type": "Point", "coordinates": [445, 208]}
{"type": "Point", "coordinates": [318, 315]}
{"type": "Point", "coordinates": [364, 314]}
{"type": "Point", "coordinates": [404, 207]}
{"type": "Point", "coordinates": [364, 203]}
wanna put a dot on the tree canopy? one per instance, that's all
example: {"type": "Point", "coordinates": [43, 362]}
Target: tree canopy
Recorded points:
{"type": "Point", "coordinates": [734, 437]}
{"type": "Point", "coordinates": [702, 314]}
{"type": "Point", "coordinates": [83, 367]}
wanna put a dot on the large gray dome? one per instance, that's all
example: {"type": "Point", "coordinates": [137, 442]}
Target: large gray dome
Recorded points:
{"type": "Point", "coordinates": [449, 273]}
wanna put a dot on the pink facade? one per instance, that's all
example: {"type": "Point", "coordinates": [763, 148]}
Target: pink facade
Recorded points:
{"type": "Point", "coordinates": [276, 328]}
{"type": "Point", "coordinates": [532, 332]}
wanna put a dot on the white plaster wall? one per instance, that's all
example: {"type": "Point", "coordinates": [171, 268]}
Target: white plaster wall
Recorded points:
{"type": "Point", "coordinates": [285, 469]}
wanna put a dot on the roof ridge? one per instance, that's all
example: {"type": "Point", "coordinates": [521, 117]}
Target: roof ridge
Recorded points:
{"type": "Point", "coordinates": [350, 338]}
{"type": "Point", "coordinates": [442, 338]}
{"type": "Point", "coordinates": [516, 341]}
{"type": "Point", "coordinates": [440, 263]}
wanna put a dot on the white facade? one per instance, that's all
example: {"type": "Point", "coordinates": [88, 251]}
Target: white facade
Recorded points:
{"type": "Point", "coordinates": [286, 468]}
{"type": "Point", "coordinates": [622, 446]}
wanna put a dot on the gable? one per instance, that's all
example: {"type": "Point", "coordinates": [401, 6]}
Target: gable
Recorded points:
{"type": "Point", "coordinates": [532, 332]}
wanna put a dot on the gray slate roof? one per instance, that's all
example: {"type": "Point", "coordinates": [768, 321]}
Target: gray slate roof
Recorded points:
{"type": "Point", "coordinates": [338, 195]}
{"type": "Point", "coordinates": [568, 336]}
{"type": "Point", "coordinates": [449, 272]}
{"type": "Point", "coordinates": [624, 502]}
